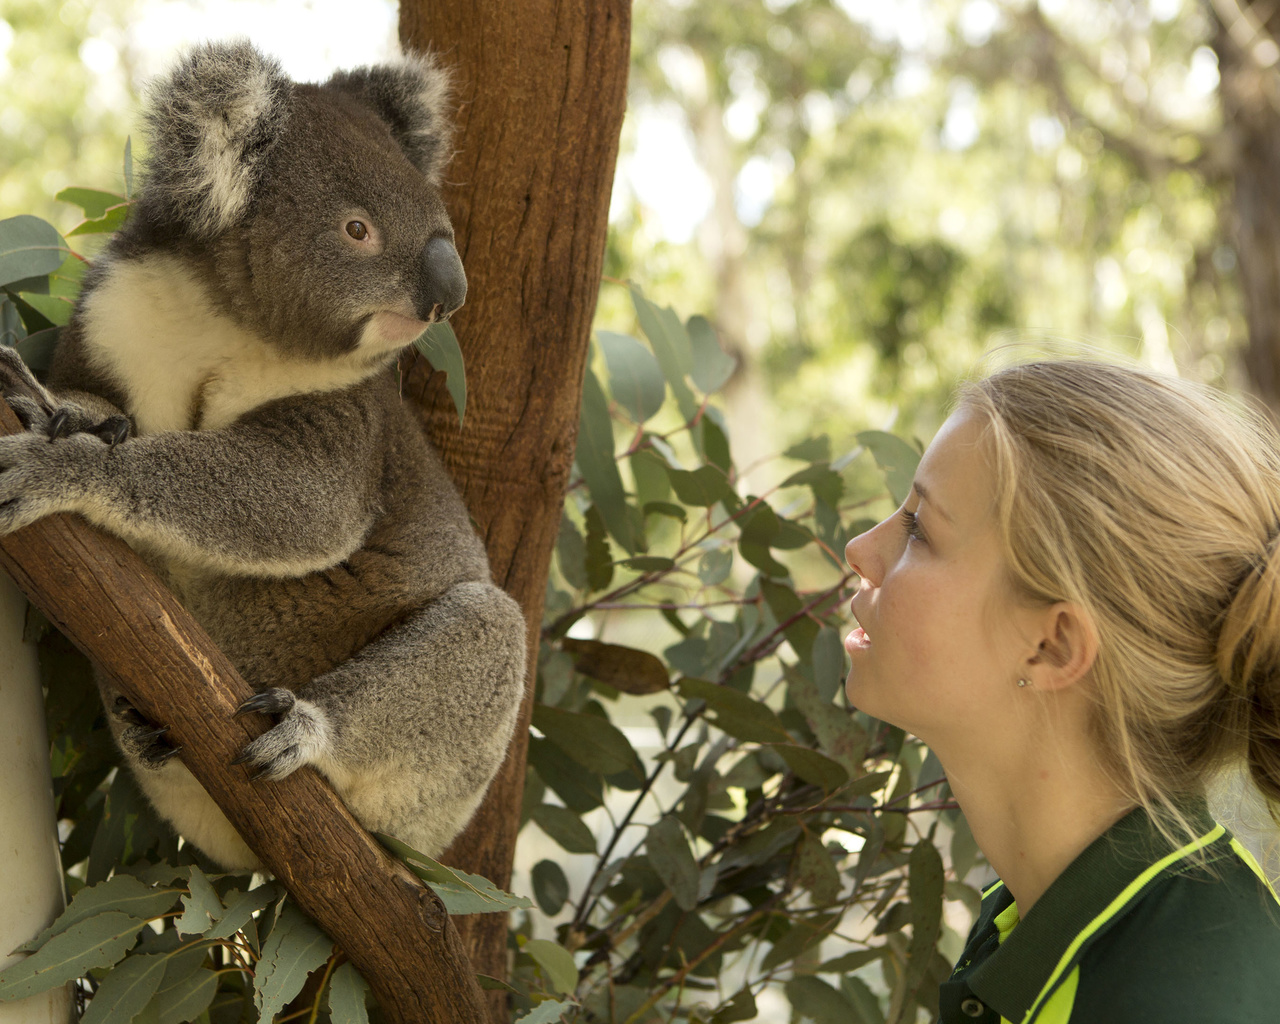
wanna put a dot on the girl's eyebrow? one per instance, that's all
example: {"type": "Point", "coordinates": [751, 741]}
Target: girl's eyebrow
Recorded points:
{"type": "Point", "coordinates": [925, 495]}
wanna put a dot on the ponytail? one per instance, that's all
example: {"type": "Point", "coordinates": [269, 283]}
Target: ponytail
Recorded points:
{"type": "Point", "coordinates": [1249, 662]}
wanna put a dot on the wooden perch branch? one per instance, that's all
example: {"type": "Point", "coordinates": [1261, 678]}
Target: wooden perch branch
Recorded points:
{"type": "Point", "coordinates": [395, 930]}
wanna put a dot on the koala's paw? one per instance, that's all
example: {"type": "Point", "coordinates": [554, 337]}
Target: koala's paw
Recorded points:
{"type": "Point", "coordinates": [68, 418]}
{"type": "Point", "coordinates": [16, 378]}
{"type": "Point", "coordinates": [300, 736]}
{"type": "Point", "coordinates": [141, 738]}
{"type": "Point", "coordinates": [38, 479]}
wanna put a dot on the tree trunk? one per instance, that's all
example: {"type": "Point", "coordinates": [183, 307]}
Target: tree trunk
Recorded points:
{"type": "Point", "coordinates": [394, 929]}
{"type": "Point", "coordinates": [1250, 91]}
{"type": "Point", "coordinates": [540, 91]}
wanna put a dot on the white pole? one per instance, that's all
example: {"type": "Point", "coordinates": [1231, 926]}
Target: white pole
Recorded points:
{"type": "Point", "coordinates": [31, 893]}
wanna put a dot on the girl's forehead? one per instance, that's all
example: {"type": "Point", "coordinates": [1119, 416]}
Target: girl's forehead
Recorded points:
{"type": "Point", "coordinates": [954, 476]}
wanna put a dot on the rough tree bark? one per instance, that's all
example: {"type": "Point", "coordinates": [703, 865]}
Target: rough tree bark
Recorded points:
{"type": "Point", "coordinates": [393, 928]}
{"type": "Point", "coordinates": [541, 94]}
{"type": "Point", "coordinates": [1246, 45]}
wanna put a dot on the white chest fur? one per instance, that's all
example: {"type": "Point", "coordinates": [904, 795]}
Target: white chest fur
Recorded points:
{"type": "Point", "coordinates": [152, 327]}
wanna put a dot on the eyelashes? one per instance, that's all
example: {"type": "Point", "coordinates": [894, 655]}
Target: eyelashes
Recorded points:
{"type": "Point", "coordinates": [911, 524]}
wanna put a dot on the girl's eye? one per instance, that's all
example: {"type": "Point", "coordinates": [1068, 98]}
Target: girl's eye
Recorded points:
{"type": "Point", "coordinates": [911, 524]}
{"type": "Point", "coordinates": [357, 230]}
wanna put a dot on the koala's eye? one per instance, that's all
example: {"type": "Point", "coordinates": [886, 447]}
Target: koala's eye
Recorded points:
{"type": "Point", "coordinates": [357, 230]}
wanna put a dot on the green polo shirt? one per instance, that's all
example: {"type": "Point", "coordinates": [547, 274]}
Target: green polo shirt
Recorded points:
{"type": "Point", "coordinates": [1134, 931]}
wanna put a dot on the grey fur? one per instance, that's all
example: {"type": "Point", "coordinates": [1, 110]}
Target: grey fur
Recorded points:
{"type": "Point", "coordinates": [272, 475]}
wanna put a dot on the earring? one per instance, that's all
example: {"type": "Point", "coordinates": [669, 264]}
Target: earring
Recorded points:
{"type": "Point", "coordinates": [1024, 682]}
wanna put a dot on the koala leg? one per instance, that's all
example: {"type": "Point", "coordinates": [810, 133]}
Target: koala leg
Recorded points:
{"type": "Point", "coordinates": [412, 729]}
{"type": "Point", "coordinates": [172, 790]}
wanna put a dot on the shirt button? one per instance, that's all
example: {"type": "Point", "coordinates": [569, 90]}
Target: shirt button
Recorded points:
{"type": "Point", "coordinates": [972, 1008]}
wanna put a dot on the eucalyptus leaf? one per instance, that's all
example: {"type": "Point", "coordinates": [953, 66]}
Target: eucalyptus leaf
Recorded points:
{"type": "Point", "coordinates": [736, 713]}
{"type": "Point", "coordinates": [671, 858]}
{"type": "Point", "coordinates": [624, 668]}
{"type": "Point", "coordinates": [712, 367]}
{"type": "Point", "coordinates": [896, 458]}
{"type": "Point", "coordinates": [295, 948]}
{"type": "Point", "coordinates": [459, 891]}
{"type": "Point", "coordinates": [565, 827]}
{"type": "Point", "coordinates": [201, 907]}
{"type": "Point", "coordinates": [546, 1012]}
{"type": "Point", "coordinates": [99, 941]}
{"type": "Point", "coordinates": [593, 742]}
{"type": "Point", "coordinates": [715, 565]}
{"type": "Point", "coordinates": [556, 962]}
{"type": "Point", "coordinates": [672, 347]}
{"type": "Point", "coordinates": [125, 991]}
{"type": "Point", "coordinates": [635, 378]}
{"type": "Point", "coordinates": [347, 995]}
{"type": "Point", "coordinates": [596, 463]}
{"type": "Point", "coordinates": [816, 872]}
{"type": "Point", "coordinates": [29, 247]}
{"type": "Point", "coordinates": [812, 766]}
{"type": "Point", "coordinates": [550, 886]}
{"type": "Point", "coordinates": [185, 992]}
{"type": "Point", "coordinates": [815, 1000]}
{"type": "Point", "coordinates": [92, 201]}
{"type": "Point", "coordinates": [439, 347]}
{"type": "Point", "coordinates": [812, 449]}
{"type": "Point", "coordinates": [123, 893]}
{"type": "Point", "coordinates": [571, 553]}
{"type": "Point", "coordinates": [701, 487]}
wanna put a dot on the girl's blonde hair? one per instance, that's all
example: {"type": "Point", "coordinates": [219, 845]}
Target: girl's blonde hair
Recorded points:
{"type": "Point", "coordinates": [1156, 506]}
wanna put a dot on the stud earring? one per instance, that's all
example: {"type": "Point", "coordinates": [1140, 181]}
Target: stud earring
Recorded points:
{"type": "Point", "coordinates": [1024, 682]}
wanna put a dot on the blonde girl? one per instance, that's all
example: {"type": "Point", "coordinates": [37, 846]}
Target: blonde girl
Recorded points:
{"type": "Point", "coordinates": [1078, 609]}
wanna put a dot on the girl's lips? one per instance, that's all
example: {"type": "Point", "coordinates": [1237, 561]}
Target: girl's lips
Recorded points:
{"type": "Point", "coordinates": [857, 641]}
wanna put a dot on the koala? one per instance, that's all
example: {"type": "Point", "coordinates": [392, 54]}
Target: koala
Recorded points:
{"type": "Point", "coordinates": [225, 400]}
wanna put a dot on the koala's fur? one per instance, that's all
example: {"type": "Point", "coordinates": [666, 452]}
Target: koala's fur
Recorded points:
{"type": "Point", "coordinates": [225, 400]}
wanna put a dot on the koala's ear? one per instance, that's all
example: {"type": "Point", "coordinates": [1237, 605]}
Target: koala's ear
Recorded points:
{"type": "Point", "coordinates": [212, 121]}
{"type": "Point", "coordinates": [412, 97]}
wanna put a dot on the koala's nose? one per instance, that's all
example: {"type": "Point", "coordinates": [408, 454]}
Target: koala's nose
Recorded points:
{"type": "Point", "coordinates": [444, 285]}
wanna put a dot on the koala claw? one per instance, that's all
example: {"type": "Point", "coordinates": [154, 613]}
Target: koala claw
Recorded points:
{"type": "Point", "coordinates": [143, 738]}
{"type": "Point", "coordinates": [58, 425]}
{"type": "Point", "coordinates": [302, 736]}
{"type": "Point", "coordinates": [274, 701]}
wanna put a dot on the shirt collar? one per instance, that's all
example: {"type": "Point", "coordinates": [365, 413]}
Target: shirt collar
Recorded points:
{"type": "Point", "coordinates": [1097, 888]}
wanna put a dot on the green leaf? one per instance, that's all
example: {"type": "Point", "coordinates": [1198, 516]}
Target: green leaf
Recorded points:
{"type": "Point", "coordinates": [592, 741]}
{"type": "Point", "coordinates": [597, 465]}
{"type": "Point", "coordinates": [565, 827]}
{"type": "Point", "coordinates": [241, 906]}
{"type": "Point", "coordinates": [964, 848]}
{"type": "Point", "coordinates": [926, 879]}
{"type": "Point", "coordinates": [671, 345]}
{"type": "Point", "coordinates": [804, 933]}
{"type": "Point", "coordinates": [624, 668]}
{"type": "Point", "coordinates": [295, 948]}
{"type": "Point", "coordinates": [550, 886]}
{"type": "Point", "coordinates": [741, 1007]}
{"type": "Point", "coordinates": [599, 559]}
{"type": "Point", "coordinates": [99, 941]}
{"type": "Point", "coordinates": [571, 553]}
{"type": "Point", "coordinates": [817, 1001]}
{"type": "Point", "coordinates": [711, 366]}
{"type": "Point", "coordinates": [866, 1006]}
{"type": "Point", "coordinates": [53, 307]}
{"type": "Point", "coordinates": [546, 1012]}
{"type": "Point", "coordinates": [556, 962]}
{"type": "Point", "coordinates": [186, 991]}
{"type": "Point", "coordinates": [736, 713]}
{"type": "Point", "coordinates": [813, 449]}
{"type": "Point", "coordinates": [649, 563]}
{"type": "Point", "coordinates": [635, 378]}
{"type": "Point", "coordinates": [895, 457]}
{"type": "Point", "coordinates": [816, 872]}
{"type": "Point", "coordinates": [851, 961]}
{"type": "Point", "coordinates": [715, 441]}
{"type": "Point", "coordinates": [460, 891]}
{"type": "Point", "coordinates": [128, 165]}
{"type": "Point", "coordinates": [37, 349]}
{"type": "Point", "coordinates": [714, 566]}
{"type": "Point", "coordinates": [665, 508]}
{"type": "Point", "coordinates": [581, 791]}
{"type": "Point", "coordinates": [701, 487]}
{"type": "Point", "coordinates": [759, 556]}
{"type": "Point", "coordinates": [29, 247]}
{"type": "Point", "coordinates": [829, 663]}
{"type": "Point", "coordinates": [122, 893]}
{"type": "Point", "coordinates": [104, 225]}
{"type": "Point", "coordinates": [812, 766]}
{"type": "Point", "coordinates": [838, 735]}
{"type": "Point", "coordinates": [93, 202]}
{"type": "Point", "coordinates": [439, 346]}
{"type": "Point", "coordinates": [126, 990]}
{"type": "Point", "coordinates": [673, 861]}
{"type": "Point", "coordinates": [347, 991]}
{"type": "Point", "coordinates": [201, 908]}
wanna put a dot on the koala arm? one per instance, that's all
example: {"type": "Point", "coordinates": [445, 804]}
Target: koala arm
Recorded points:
{"type": "Point", "coordinates": [287, 489]}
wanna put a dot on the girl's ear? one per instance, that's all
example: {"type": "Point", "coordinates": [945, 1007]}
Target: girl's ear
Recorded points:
{"type": "Point", "coordinates": [1067, 647]}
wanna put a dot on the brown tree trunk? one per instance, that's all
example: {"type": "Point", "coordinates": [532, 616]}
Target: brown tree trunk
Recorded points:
{"type": "Point", "coordinates": [394, 929]}
{"type": "Point", "coordinates": [540, 89]}
{"type": "Point", "coordinates": [1250, 91]}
